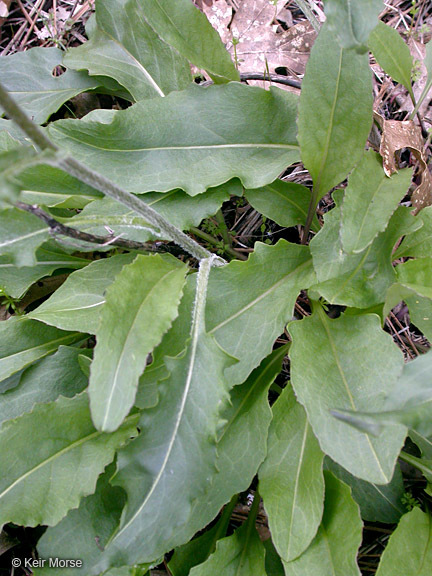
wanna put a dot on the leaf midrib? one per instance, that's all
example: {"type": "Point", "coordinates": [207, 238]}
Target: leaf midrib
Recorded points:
{"type": "Point", "coordinates": [183, 147]}
{"type": "Point", "coordinates": [261, 297]}
{"type": "Point", "coordinates": [324, 322]}
{"type": "Point", "coordinates": [53, 457]}
{"type": "Point", "coordinates": [114, 385]}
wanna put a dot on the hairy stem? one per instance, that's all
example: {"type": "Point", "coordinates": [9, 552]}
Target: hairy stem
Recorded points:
{"type": "Point", "coordinates": [99, 182]}
{"type": "Point", "coordinates": [57, 228]}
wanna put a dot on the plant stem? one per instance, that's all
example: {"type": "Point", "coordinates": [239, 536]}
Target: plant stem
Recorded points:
{"type": "Point", "coordinates": [305, 8]}
{"type": "Point", "coordinates": [416, 112]}
{"type": "Point", "coordinates": [223, 228]}
{"type": "Point", "coordinates": [208, 238]}
{"type": "Point", "coordinates": [309, 217]}
{"type": "Point", "coordinates": [57, 228]}
{"type": "Point", "coordinates": [99, 182]}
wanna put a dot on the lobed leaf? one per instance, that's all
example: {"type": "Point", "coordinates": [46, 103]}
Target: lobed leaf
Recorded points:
{"type": "Point", "coordinates": [23, 341]}
{"type": "Point", "coordinates": [84, 530]}
{"type": "Point", "coordinates": [335, 112]}
{"type": "Point", "coordinates": [329, 552]}
{"type": "Point", "coordinates": [286, 203]}
{"type": "Point", "coordinates": [369, 201]}
{"type": "Point", "coordinates": [358, 280]}
{"type": "Point", "coordinates": [173, 460]}
{"type": "Point", "coordinates": [176, 206]}
{"type": "Point", "coordinates": [241, 554]}
{"type": "Point", "coordinates": [78, 303]}
{"type": "Point", "coordinates": [181, 25]}
{"type": "Point", "coordinates": [21, 234]}
{"type": "Point", "coordinates": [199, 549]}
{"type": "Point", "coordinates": [124, 47]}
{"type": "Point", "coordinates": [216, 133]}
{"type": "Point", "coordinates": [70, 457]}
{"type": "Point", "coordinates": [43, 382]}
{"type": "Point", "coordinates": [408, 402]}
{"type": "Point", "coordinates": [377, 503]}
{"type": "Point", "coordinates": [241, 443]}
{"type": "Point", "coordinates": [409, 551]}
{"type": "Point", "coordinates": [414, 283]}
{"type": "Point", "coordinates": [261, 291]}
{"type": "Point", "coordinates": [291, 480]}
{"type": "Point", "coordinates": [140, 305]}
{"type": "Point", "coordinates": [361, 365]}
{"type": "Point", "coordinates": [30, 79]}
{"type": "Point", "coordinates": [49, 257]}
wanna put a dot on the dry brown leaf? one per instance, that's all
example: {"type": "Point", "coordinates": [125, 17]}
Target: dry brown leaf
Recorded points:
{"type": "Point", "coordinates": [4, 10]}
{"type": "Point", "coordinates": [397, 135]}
{"type": "Point", "coordinates": [422, 195]}
{"type": "Point", "coordinates": [219, 14]}
{"type": "Point", "coordinates": [260, 48]}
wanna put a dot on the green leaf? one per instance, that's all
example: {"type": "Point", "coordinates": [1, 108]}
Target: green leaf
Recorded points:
{"type": "Point", "coordinates": [419, 242]}
{"type": "Point", "coordinates": [408, 402]}
{"type": "Point", "coordinates": [177, 207]}
{"type": "Point", "coordinates": [78, 303]}
{"type": "Point", "coordinates": [241, 554]}
{"type": "Point", "coordinates": [21, 234]}
{"type": "Point", "coordinates": [335, 112]}
{"type": "Point", "coordinates": [28, 77]}
{"type": "Point", "coordinates": [50, 186]}
{"type": "Point", "coordinates": [414, 283]}
{"type": "Point", "coordinates": [358, 280]}
{"type": "Point", "coordinates": [286, 203]}
{"type": "Point", "coordinates": [273, 563]}
{"type": "Point", "coordinates": [392, 54]}
{"type": "Point", "coordinates": [334, 549]}
{"type": "Point", "coordinates": [14, 131]}
{"type": "Point", "coordinates": [57, 375]}
{"type": "Point", "coordinates": [241, 443]}
{"type": "Point", "coordinates": [218, 132]}
{"type": "Point", "coordinates": [10, 163]}
{"type": "Point", "coordinates": [162, 483]}
{"type": "Point", "coordinates": [352, 22]}
{"type": "Point", "coordinates": [377, 503]}
{"type": "Point", "coordinates": [185, 28]}
{"type": "Point", "coordinates": [49, 257]}
{"type": "Point", "coordinates": [139, 308]}
{"type": "Point", "coordinates": [290, 478]}
{"type": "Point", "coordinates": [360, 364]}
{"type": "Point", "coordinates": [425, 444]}
{"type": "Point", "coordinates": [126, 48]}
{"type": "Point", "coordinates": [409, 551]}
{"type": "Point", "coordinates": [173, 344]}
{"type": "Point", "coordinates": [85, 530]}
{"type": "Point", "coordinates": [259, 292]}
{"type": "Point", "coordinates": [199, 549]}
{"type": "Point", "coordinates": [68, 447]}
{"type": "Point", "coordinates": [420, 311]}
{"type": "Point", "coordinates": [23, 341]}
{"type": "Point", "coordinates": [369, 201]}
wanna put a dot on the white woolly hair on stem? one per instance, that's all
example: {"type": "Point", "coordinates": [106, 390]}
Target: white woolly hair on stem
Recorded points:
{"type": "Point", "coordinates": [201, 294]}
